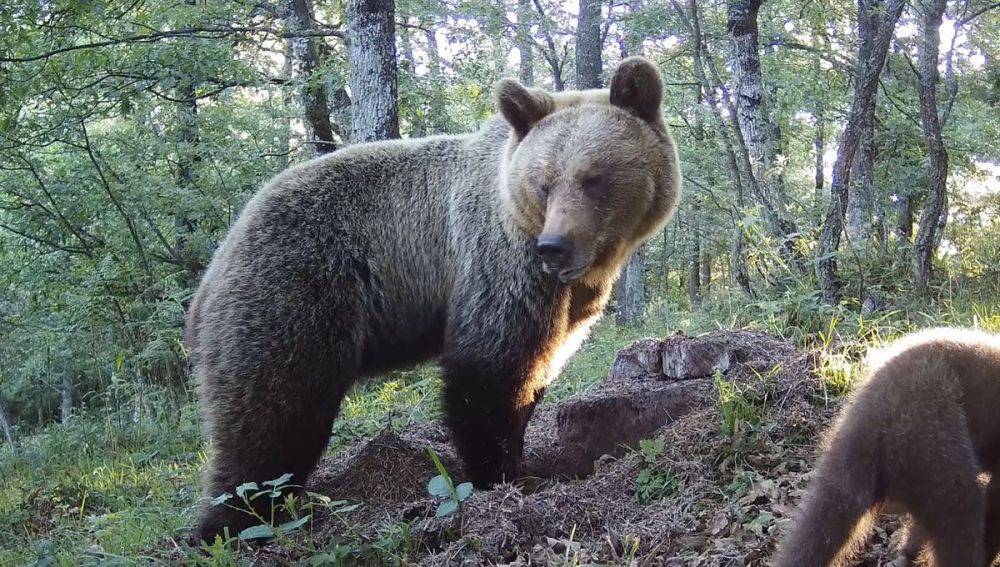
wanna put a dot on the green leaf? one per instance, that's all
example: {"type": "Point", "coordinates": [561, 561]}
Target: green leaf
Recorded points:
{"type": "Point", "coordinates": [439, 486]}
{"type": "Point", "coordinates": [348, 508]}
{"type": "Point", "coordinates": [437, 463]}
{"type": "Point", "coordinates": [243, 488]}
{"type": "Point", "coordinates": [221, 499]}
{"type": "Point", "coordinates": [323, 559]}
{"type": "Point", "coordinates": [294, 525]}
{"type": "Point", "coordinates": [446, 508]}
{"type": "Point", "coordinates": [257, 532]}
{"type": "Point", "coordinates": [463, 491]}
{"type": "Point", "coordinates": [281, 480]}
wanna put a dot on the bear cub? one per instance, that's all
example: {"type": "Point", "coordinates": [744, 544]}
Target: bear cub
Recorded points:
{"type": "Point", "coordinates": [914, 438]}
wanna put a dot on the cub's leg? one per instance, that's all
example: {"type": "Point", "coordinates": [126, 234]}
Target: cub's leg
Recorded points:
{"type": "Point", "coordinates": [938, 486]}
{"type": "Point", "coordinates": [842, 503]}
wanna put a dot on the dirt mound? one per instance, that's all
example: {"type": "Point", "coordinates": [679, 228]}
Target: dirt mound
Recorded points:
{"type": "Point", "coordinates": [736, 414]}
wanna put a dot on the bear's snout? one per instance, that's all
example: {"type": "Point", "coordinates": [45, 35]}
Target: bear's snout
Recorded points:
{"type": "Point", "coordinates": [558, 254]}
{"type": "Point", "coordinates": [555, 250]}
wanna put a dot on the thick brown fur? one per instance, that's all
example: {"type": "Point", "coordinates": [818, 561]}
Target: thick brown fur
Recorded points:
{"type": "Point", "coordinates": [387, 254]}
{"type": "Point", "coordinates": [914, 438]}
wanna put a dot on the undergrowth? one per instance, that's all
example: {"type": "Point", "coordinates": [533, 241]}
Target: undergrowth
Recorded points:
{"type": "Point", "coordinates": [122, 489]}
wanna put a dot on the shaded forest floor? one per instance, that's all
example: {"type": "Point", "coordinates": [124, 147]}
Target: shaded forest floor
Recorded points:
{"type": "Point", "coordinates": [713, 485]}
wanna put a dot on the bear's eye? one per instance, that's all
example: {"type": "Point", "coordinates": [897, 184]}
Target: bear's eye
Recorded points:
{"type": "Point", "coordinates": [544, 189]}
{"type": "Point", "coordinates": [594, 184]}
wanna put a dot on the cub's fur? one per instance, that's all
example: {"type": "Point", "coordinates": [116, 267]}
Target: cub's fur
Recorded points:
{"type": "Point", "coordinates": [913, 438]}
{"type": "Point", "coordinates": [492, 252]}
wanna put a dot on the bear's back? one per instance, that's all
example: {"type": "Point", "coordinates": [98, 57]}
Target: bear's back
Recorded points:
{"type": "Point", "coordinates": [390, 223]}
{"type": "Point", "coordinates": [931, 367]}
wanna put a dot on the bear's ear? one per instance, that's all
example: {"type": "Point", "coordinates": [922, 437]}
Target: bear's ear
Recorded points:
{"type": "Point", "coordinates": [521, 107]}
{"type": "Point", "coordinates": [638, 88]}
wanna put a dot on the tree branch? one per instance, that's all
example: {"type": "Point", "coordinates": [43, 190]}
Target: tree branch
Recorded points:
{"type": "Point", "coordinates": [209, 32]}
{"type": "Point", "coordinates": [114, 200]}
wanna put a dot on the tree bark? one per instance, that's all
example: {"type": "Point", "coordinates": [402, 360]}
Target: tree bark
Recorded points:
{"type": "Point", "coordinates": [588, 45]}
{"type": "Point", "coordinates": [65, 398]}
{"type": "Point", "coordinates": [288, 72]}
{"type": "Point", "coordinates": [631, 290]}
{"type": "Point", "coordinates": [819, 147]}
{"type": "Point", "coordinates": [706, 271]}
{"type": "Point", "coordinates": [188, 159]}
{"type": "Point", "coordinates": [738, 262]}
{"type": "Point", "coordinates": [699, 55]}
{"type": "Point", "coordinates": [866, 82]}
{"type": "Point", "coordinates": [754, 110]}
{"type": "Point", "coordinates": [904, 218]}
{"type": "Point", "coordinates": [372, 58]}
{"type": "Point", "coordinates": [934, 215]}
{"type": "Point", "coordinates": [861, 195]}
{"type": "Point", "coordinates": [5, 425]}
{"type": "Point", "coordinates": [316, 108]}
{"type": "Point", "coordinates": [694, 256]}
{"type": "Point", "coordinates": [526, 67]}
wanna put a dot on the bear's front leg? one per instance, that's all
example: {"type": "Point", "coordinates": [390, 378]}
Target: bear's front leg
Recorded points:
{"type": "Point", "coordinates": [487, 410]}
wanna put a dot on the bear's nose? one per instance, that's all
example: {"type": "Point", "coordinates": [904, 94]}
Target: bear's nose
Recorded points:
{"type": "Point", "coordinates": [554, 249]}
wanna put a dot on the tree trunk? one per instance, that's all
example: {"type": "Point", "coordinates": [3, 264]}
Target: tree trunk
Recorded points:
{"type": "Point", "coordinates": [5, 425]}
{"type": "Point", "coordinates": [861, 191]}
{"type": "Point", "coordinates": [588, 45]}
{"type": "Point", "coordinates": [524, 50]}
{"type": "Point", "coordinates": [65, 399]}
{"type": "Point", "coordinates": [759, 130]}
{"type": "Point", "coordinates": [372, 57]}
{"type": "Point", "coordinates": [819, 143]}
{"type": "Point", "coordinates": [866, 82]}
{"type": "Point", "coordinates": [188, 158]}
{"type": "Point", "coordinates": [631, 290]}
{"type": "Point", "coordinates": [288, 71]}
{"type": "Point", "coordinates": [709, 91]}
{"type": "Point", "coordinates": [738, 262]}
{"type": "Point", "coordinates": [40, 403]}
{"type": "Point", "coordinates": [904, 218]}
{"type": "Point", "coordinates": [935, 213]}
{"type": "Point", "coordinates": [706, 271]}
{"type": "Point", "coordinates": [436, 104]}
{"type": "Point", "coordinates": [699, 52]}
{"type": "Point", "coordinates": [316, 108]}
{"type": "Point", "coordinates": [694, 257]}
{"type": "Point", "coordinates": [631, 43]}
{"type": "Point", "coordinates": [861, 195]}
{"type": "Point", "coordinates": [550, 51]}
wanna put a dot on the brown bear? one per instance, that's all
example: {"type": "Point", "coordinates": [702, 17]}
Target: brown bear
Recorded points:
{"type": "Point", "coordinates": [492, 252]}
{"type": "Point", "coordinates": [913, 438]}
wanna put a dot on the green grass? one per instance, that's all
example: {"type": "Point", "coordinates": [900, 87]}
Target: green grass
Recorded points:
{"type": "Point", "coordinates": [109, 483]}
{"type": "Point", "coordinates": [120, 487]}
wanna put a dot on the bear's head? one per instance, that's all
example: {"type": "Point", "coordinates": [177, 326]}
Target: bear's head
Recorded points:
{"type": "Point", "coordinates": [590, 175]}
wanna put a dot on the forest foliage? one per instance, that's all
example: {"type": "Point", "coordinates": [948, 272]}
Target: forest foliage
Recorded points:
{"type": "Point", "coordinates": [133, 133]}
{"type": "Point", "coordinates": [838, 157]}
